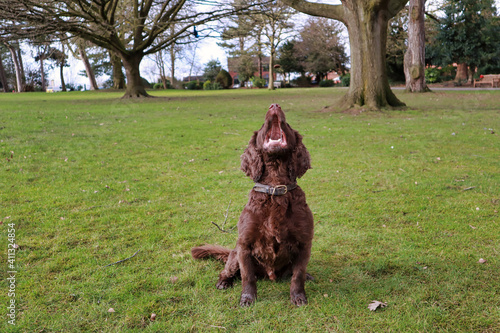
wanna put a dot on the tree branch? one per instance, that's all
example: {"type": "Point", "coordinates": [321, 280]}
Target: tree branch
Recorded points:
{"type": "Point", "coordinates": [335, 12]}
{"type": "Point", "coordinates": [119, 261]}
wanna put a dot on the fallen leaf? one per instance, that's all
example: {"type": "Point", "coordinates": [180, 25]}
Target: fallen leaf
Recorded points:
{"type": "Point", "coordinates": [374, 305]}
{"type": "Point", "coordinates": [481, 261]}
{"type": "Point", "coordinates": [153, 317]}
{"type": "Point", "coordinates": [111, 310]}
{"type": "Point", "coordinates": [174, 279]}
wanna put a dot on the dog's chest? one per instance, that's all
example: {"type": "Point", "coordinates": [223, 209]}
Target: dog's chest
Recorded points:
{"type": "Point", "coordinates": [273, 247]}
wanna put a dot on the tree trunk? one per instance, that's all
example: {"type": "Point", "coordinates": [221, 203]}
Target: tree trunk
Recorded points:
{"type": "Point", "coordinates": [135, 87]}
{"type": "Point", "coordinates": [472, 71]}
{"type": "Point", "coordinates": [118, 76]}
{"type": "Point", "coordinates": [172, 67]}
{"type": "Point", "coordinates": [19, 80]}
{"type": "Point", "coordinates": [3, 77]}
{"type": "Point", "coordinates": [369, 85]}
{"type": "Point", "coordinates": [88, 68]}
{"type": "Point", "coordinates": [270, 85]}
{"type": "Point", "coordinates": [42, 72]}
{"type": "Point", "coordinates": [21, 67]}
{"type": "Point", "coordinates": [461, 73]}
{"type": "Point", "coordinates": [414, 61]}
{"type": "Point", "coordinates": [61, 68]}
{"type": "Point", "coordinates": [61, 71]}
{"type": "Point", "coordinates": [366, 22]}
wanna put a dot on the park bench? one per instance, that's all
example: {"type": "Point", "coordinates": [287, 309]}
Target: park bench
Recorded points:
{"type": "Point", "coordinates": [491, 79]}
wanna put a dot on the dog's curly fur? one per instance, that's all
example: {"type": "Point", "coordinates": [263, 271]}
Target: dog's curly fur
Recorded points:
{"type": "Point", "coordinates": [274, 232]}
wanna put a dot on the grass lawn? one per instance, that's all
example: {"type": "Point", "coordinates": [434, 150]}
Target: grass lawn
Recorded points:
{"type": "Point", "coordinates": [405, 203]}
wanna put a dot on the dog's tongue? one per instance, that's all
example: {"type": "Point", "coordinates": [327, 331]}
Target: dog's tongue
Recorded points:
{"type": "Point", "coordinates": [275, 129]}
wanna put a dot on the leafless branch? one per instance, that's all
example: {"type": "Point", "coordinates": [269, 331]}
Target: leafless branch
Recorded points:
{"type": "Point", "coordinates": [119, 261]}
{"type": "Point", "coordinates": [225, 220]}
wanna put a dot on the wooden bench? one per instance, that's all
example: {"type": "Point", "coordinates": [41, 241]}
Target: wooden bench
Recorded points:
{"type": "Point", "coordinates": [491, 79]}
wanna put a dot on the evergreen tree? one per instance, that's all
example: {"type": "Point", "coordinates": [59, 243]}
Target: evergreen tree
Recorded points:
{"type": "Point", "coordinates": [465, 34]}
{"type": "Point", "coordinates": [288, 59]}
{"type": "Point", "coordinates": [212, 68]}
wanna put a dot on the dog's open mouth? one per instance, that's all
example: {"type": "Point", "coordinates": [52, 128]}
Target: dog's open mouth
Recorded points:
{"type": "Point", "coordinates": [275, 137]}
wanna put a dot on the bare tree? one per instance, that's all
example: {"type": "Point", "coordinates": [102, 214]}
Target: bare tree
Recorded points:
{"type": "Point", "coordinates": [43, 52]}
{"type": "Point", "coordinates": [78, 49]}
{"type": "Point", "coordinates": [320, 48]}
{"type": "Point", "coordinates": [275, 24]}
{"type": "Point", "coordinates": [366, 22]}
{"type": "Point", "coordinates": [17, 65]}
{"type": "Point", "coordinates": [103, 23]}
{"type": "Point", "coordinates": [86, 63]}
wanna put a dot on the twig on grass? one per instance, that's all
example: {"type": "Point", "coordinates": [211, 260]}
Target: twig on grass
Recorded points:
{"type": "Point", "coordinates": [119, 261]}
{"type": "Point", "coordinates": [469, 188]}
{"type": "Point", "coordinates": [225, 220]}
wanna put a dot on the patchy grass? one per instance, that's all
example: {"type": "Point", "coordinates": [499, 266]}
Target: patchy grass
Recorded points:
{"type": "Point", "coordinates": [405, 205]}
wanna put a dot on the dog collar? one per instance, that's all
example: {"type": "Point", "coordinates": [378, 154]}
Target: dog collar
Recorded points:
{"type": "Point", "coordinates": [274, 190]}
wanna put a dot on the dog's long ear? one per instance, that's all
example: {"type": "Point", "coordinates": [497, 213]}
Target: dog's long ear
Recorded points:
{"type": "Point", "coordinates": [252, 161]}
{"type": "Point", "coordinates": [301, 160]}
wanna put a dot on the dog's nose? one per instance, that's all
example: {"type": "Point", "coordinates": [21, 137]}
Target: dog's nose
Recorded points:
{"type": "Point", "coordinates": [275, 106]}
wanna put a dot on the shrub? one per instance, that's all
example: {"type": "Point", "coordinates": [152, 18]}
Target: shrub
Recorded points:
{"type": "Point", "coordinates": [302, 81]}
{"type": "Point", "coordinates": [345, 80]}
{"type": "Point", "coordinates": [158, 85]}
{"type": "Point", "coordinates": [211, 86]}
{"type": "Point", "coordinates": [326, 83]}
{"type": "Point", "coordinates": [224, 79]}
{"type": "Point", "coordinates": [432, 75]}
{"type": "Point", "coordinates": [258, 82]}
{"type": "Point", "coordinates": [194, 85]}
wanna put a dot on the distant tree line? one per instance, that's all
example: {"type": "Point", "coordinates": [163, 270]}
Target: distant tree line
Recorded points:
{"type": "Point", "coordinates": [393, 40]}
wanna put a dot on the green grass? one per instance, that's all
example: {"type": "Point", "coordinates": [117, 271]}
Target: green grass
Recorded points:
{"type": "Point", "coordinates": [405, 204]}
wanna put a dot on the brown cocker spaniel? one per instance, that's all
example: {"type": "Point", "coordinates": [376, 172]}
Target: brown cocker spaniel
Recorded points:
{"type": "Point", "coordinates": [275, 229]}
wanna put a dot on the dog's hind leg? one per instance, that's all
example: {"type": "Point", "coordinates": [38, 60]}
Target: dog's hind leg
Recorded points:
{"type": "Point", "coordinates": [226, 277]}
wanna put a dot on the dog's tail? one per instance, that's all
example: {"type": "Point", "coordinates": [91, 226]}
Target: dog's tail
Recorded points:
{"type": "Point", "coordinates": [210, 251]}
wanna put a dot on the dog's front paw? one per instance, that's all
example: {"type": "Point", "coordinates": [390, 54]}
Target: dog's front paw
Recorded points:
{"type": "Point", "coordinates": [224, 284]}
{"type": "Point", "coordinates": [299, 299]}
{"type": "Point", "coordinates": [247, 299]}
